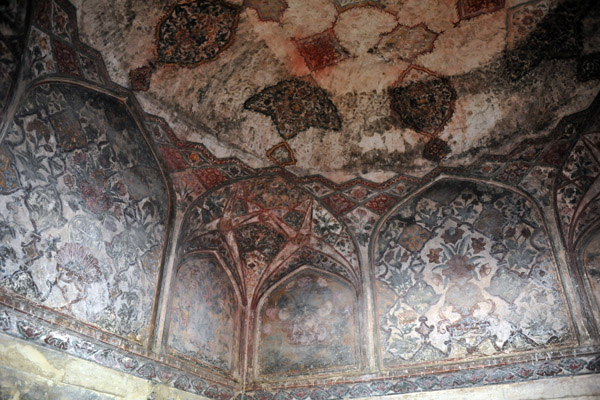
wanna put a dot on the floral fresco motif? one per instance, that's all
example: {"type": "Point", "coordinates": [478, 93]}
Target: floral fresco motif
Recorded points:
{"type": "Point", "coordinates": [41, 52]}
{"type": "Point", "coordinates": [424, 106]}
{"type": "Point", "coordinates": [295, 106]}
{"type": "Point", "coordinates": [81, 231]}
{"type": "Point", "coordinates": [195, 32]}
{"type": "Point", "coordinates": [307, 324]}
{"type": "Point", "coordinates": [466, 270]}
{"type": "Point", "coordinates": [578, 191]}
{"type": "Point", "coordinates": [9, 175]}
{"type": "Point", "coordinates": [204, 316]}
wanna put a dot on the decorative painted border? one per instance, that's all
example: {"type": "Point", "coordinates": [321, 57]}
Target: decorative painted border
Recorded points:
{"type": "Point", "coordinates": [36, 331]}
{"type": "Point", "coordinates": [480, 168]}
{"type": "Point", "coordinates": [563, 364]}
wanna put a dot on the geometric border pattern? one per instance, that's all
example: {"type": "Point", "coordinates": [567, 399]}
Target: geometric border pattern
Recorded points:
{"type": "Point", "coordinates": [45, 334]}
{"type": "Point", "coordinates": [563, 366]}
{"type": "Point", "coordinates": [560, 364]}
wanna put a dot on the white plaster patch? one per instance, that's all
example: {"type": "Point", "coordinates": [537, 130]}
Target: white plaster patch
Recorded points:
{"type": "Point", "coordinates": [470, 45]}
{"type": "Point", "coordinates": [305, 18]}
{"type": "Point", "coordinates": [359, 29]}
{"type": "Point", "coordinates": [474, 117]}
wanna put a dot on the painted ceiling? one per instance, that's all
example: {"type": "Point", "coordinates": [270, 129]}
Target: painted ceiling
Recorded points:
{"type": "Point", "coordinates": [348, 88]}
{"type": "Point", "coordinates": [132, 235]}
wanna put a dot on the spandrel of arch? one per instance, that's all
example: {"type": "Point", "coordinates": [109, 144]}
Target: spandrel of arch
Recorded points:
{"type": "Point", "coordinates": [258, 225]}
{"type": "Point", "coordinates": [589, 259]}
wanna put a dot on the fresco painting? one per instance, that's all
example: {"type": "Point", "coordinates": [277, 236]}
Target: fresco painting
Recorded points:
{"type": "Point", "coordinates": [591, 265]}
{"type": "Point", "coordinates": [257, 223]}
{"type": "Point", "coordinates": [204, 314]}
{"type": "Point", "coordinates": [434, 250]}
{"type": "Point", "coordinates": [464, 271]}
{"type": "Point", "coordinates": [83, 209]}
{"type": "Point", "coordinates": [307, 323]}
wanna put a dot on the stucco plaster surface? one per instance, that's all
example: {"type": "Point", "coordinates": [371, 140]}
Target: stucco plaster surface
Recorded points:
{"type": "Point", "coordinates": [374, 46]}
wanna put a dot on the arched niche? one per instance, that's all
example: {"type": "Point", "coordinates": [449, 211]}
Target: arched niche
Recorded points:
{"type": "Point", "coordinates": [84, 209]}
{"type": "Point", "coordinates": [305, 324]}
{"type": "Point", "coordinates": [465, 270]}
{"type": "Point", "coordinates": [204, 323]}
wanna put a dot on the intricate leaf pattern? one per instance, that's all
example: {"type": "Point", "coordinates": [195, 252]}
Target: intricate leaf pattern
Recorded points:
{"type": "Point", "coordinates": [92, 222]}
{"type": "Point", "coordinates": [475, 263]}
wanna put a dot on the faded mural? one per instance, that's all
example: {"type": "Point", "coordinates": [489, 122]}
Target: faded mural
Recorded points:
{"type": "Point", "coordinates": [265, 229]}
{"type": "Point", "coordinates": [591, 265]}
{"type": "Point", "coordinates": [204, 314]}
{"type": "Point", "coordinates": [83, 209]}
{"type": "Point", "coordinates": [307, 323]}
{"type": "Point", "coordinates": [466, 270]}
{"type": "Point", "coordinates": [309, 280]}
{"type": "Point", "coordinates": [578, 188]}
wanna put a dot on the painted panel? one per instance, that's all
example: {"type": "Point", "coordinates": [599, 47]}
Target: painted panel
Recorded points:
{"type": "Point", "coordinates": [464, 271]}
{"type": "Point", "coordinates": [204, 314]}
{"type": "Point", "coordinates": [577, 189]}
{"type": "Point", "coordinates": [83, 209]}
{"type": "Point", "coordinates": [307, 323]}
{"type": "Point", "coordinates": [591, 265]}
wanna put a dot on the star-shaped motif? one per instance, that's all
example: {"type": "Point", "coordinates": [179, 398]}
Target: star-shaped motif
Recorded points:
{"type": "Point", "coordinates": [261, 239]}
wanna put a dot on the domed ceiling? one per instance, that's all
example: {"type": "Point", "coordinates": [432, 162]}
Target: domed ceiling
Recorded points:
{"type": "Point", "coordinates": [456, 247]}
{"type": "Point", "coordinates": [348, 88]}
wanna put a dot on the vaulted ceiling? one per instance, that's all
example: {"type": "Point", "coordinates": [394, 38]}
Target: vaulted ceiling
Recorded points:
{"type": "Point", "coordinates": [349, 88]}
{"type": "Point", "coordinates": [268, 198]}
